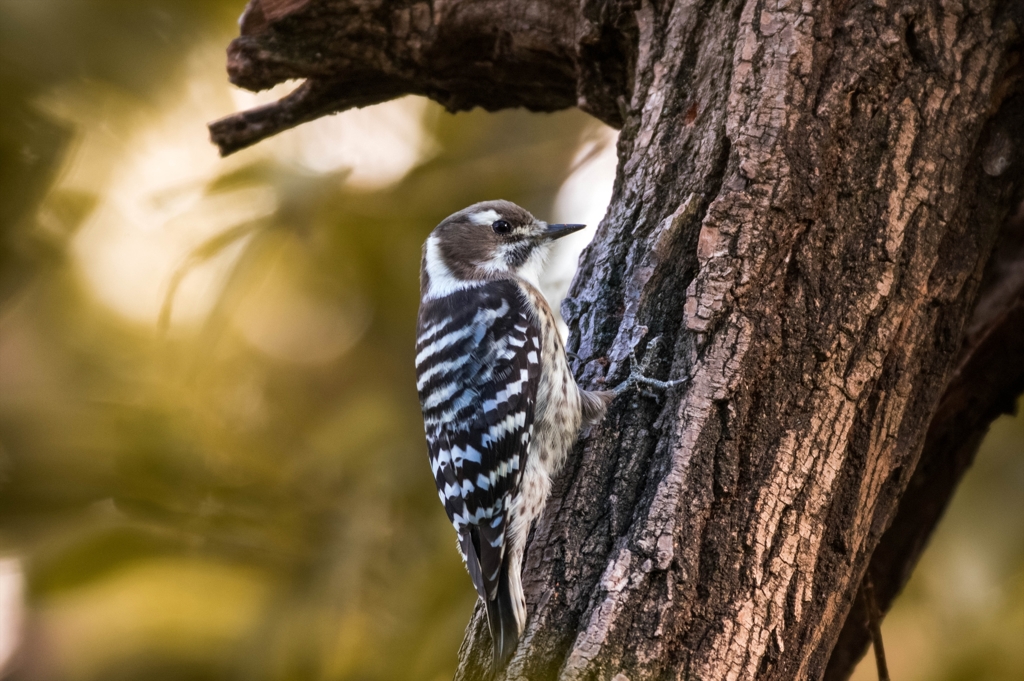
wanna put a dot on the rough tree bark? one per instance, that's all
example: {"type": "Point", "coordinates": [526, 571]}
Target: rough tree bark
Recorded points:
{"type": "Point", "coordinates": [808, 196]}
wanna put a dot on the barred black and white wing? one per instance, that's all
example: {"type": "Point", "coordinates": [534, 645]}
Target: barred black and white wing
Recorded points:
{"type": "Point", "coordinates": [478, 367]}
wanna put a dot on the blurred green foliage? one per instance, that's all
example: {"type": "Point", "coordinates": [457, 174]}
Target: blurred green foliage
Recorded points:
{"type": "Point", "coordinates": [191, 503]}
{"type": "Point", "coordinates": [244, 492]}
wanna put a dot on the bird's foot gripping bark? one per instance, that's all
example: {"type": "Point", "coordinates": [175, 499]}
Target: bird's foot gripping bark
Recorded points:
{"type": "Point", "coordinates": [637, 379]}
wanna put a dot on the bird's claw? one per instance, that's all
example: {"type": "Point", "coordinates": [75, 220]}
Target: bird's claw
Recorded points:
{"type": "Point", "coordinates": [637, 378]}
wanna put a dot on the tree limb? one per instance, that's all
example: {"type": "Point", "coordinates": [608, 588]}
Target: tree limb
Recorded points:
{"type": "Point", "coordinates": [493, 54]}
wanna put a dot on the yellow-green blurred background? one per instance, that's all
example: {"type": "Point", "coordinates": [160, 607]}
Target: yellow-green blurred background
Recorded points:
{"type": "Point", "coordinates": [211, 454]}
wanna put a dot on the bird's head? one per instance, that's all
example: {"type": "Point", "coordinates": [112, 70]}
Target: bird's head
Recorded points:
{"type": "Point", "coordinates": [488, 240]}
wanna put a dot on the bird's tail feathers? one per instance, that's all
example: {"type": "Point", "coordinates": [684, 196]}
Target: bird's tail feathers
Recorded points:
{"type": "Point", "coordinates": [504, 613]}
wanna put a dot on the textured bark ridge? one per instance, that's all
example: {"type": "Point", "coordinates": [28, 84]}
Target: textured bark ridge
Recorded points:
{"type": "Point", "coordinates": [808, 197]}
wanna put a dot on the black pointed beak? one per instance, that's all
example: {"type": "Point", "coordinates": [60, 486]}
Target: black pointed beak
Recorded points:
{"type": "Point", "coordinates": [558, 231]}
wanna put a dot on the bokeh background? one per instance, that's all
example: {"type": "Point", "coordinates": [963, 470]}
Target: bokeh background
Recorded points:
{"type": "Point", "coordinates": [211, 454]}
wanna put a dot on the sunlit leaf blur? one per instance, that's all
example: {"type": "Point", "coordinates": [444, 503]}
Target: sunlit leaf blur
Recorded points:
{"type": "Point", "coordinates": [211, 456]}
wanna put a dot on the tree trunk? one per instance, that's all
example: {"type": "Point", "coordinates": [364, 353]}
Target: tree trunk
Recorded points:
{"type": "Point", "coordinates": [807, 199]}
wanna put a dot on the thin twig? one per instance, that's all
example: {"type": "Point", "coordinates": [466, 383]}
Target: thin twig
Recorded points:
{"type": "Point", "coordinates": [875, 626]}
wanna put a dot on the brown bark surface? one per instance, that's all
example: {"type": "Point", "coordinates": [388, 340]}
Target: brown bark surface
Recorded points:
{"type": "Point", "coordinates": [808, 197]}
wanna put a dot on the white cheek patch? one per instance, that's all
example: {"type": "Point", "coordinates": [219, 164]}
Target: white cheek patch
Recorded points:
{"type": "Point", "coordinates": [529, 270]}
{"type": "Point", "coordinates": [499, 261]}
{"type": "Point", "coordinates": [484, 217]}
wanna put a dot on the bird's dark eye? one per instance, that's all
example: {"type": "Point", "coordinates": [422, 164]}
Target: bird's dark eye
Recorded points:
{"type": "Point", "coordinates": [501, 227]}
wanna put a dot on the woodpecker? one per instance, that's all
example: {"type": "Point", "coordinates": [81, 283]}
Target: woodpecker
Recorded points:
{"type": "Point", "coordinates": [501, 409]}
